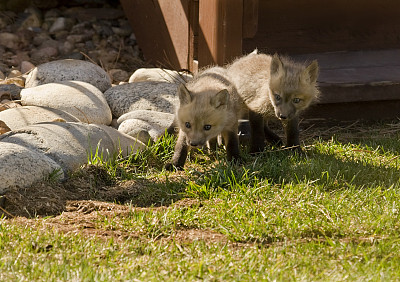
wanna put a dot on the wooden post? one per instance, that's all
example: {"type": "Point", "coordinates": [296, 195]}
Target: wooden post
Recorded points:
{"type": "Point", "coordinates": [220, 31]}
{"type": "Point", "coordinates": [163, 30]}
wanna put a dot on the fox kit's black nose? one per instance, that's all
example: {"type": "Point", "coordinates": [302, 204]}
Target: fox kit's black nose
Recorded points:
{"type": "Point", "coordinates": [282, 116]}
{"type": "Point", "coordinates": [194, 144]}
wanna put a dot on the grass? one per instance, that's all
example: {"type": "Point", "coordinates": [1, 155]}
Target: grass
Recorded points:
{"type": "Point", "coordinates": [331, 214]}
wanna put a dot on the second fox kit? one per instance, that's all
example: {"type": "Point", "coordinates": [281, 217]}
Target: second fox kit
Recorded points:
{"type": "Point", "coordinates": [209, 106]}
{"type": "Point", "coordinates": [274, 86]}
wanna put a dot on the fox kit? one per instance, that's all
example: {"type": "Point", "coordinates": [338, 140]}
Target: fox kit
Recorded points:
{"type": "Point", "coordinates": [274, 86]}
{"type": "Point", "coordinates": [209, 106]}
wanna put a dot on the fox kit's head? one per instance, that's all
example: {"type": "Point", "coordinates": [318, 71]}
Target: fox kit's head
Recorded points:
{"type": "Point", "coordinates": [293, 86]}
{"type": "Point", "coordinates": [202, 116]}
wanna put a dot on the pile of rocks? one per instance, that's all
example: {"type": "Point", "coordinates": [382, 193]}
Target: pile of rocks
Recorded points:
{"type": "Point", "coordinates": [57, 115]}
{"type": "Point", "coordinates": [69, 112]}
{"type": "Point", "coordinates": [99, 33]}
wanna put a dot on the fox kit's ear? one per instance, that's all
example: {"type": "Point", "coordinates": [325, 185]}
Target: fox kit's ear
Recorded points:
{"type": "Point", "coordinates": [184, 95]}
{"type": "Point", "coordinates": [276, 65]}
{"type": "Point", "coordinates": [220, 99]}
{"type": "Point", "coordinates": [311, 72]}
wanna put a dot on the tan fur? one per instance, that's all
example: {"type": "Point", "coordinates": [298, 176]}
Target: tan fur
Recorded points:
{"type": "Point", "coordinates": [274, 87]}
{"type": "Point", "coordinates": [209, 99]}
{"type": "Point", "coordinates": [292, 80]}
{"type": "Point", "coordinates": [256, 85]}
{"type": "Point", "coordinates": [251, 76]}
{"type": "Point", "coordinates": [200, 111]}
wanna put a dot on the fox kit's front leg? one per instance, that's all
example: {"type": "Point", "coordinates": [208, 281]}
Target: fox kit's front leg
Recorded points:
{"type": "Point", "coordinates": [271, 136]}
{"type": "Point", "coordinates": [232, 145]}
{"type": "Point", "coordinates": [180, 153]}
{"type": "Point", "coordinates": [292, 133]}
{"type": "Point", "coordinates": [257, 136]}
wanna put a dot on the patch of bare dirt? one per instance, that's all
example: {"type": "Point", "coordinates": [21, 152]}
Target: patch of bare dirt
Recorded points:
{"type": "Point", "coordinates": [191, 235]}
{"type": "Point", "coordinates": [51, 199]}
{"type": "Point", "coordinates": [82, 217]}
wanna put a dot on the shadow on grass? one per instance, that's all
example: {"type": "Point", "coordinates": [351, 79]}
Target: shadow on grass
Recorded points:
{"type": "Point", "coordinates": [92, 183]}
{"type": "Point", "coordinates": [355, 168]}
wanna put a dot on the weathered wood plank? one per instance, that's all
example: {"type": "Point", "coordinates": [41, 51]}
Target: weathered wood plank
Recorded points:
{"type": "Point", "coordinates": [308, 26]}
{"type": "Point", "coordinates": [333, 93]}
{"type": "Point", "coordinates": [162, 30]}
{"type": "Point", "coordinates": [354, 59]}
{"type": "Point", "coordinates": [220, 31]}
{"type": "Point", "coordinates": [358, 67]}
{"type": "Point", "coordinates": [358, 76]}
{"type": "Point", "coordinates": [354, 111]}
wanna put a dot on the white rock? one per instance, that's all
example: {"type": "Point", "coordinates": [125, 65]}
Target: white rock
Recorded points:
{"type": "Point", "coordinates": [16, 118]}
{"type": "Point", "coordinates": [149, 95]}
{"type": "Point", "coordinates": [21, 166]}
{"type": "Point", "coordinates": [59, 24]}
{"type": "Point", "coordinates": [69, 69]}
{"type": "Point", "coordinates": [141, 130]}
{"type": "Point", "coordinates": [145, 125]}
{"type": "Point", "coordinates": [72, 144]}
{"type": "Point", "coordinates": [157, 74]}
{"type": "Point", "coordinates": [77, 98]}
{"type": "Point", "coordinates": [159, 118]}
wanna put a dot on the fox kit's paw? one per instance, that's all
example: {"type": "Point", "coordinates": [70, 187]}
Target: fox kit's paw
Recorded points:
{"type": "Point", "coordinates": [257, 145]}
{"type": "Point", "coordinates": [236, 160]}
{"type": "Point", "coordinates": [254, 151]}
{"type": "Point", "coordinates": [296, 149]}
{"type": "Point", "coordinates": [171, 167]}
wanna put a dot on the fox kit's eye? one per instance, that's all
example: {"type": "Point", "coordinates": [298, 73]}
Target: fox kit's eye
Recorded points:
{"type": "Point", "coordinates": [296, 100]}
{"type": "Point", "coordinates": [277, 97]}
{"type": "Point", "coordinates": [187, 124]}
{"type": "Point", "coordinates": [207, 127]}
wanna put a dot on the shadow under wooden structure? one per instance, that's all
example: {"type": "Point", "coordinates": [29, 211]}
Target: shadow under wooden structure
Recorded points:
{"type": "Point", "coordinates": [357, 43]}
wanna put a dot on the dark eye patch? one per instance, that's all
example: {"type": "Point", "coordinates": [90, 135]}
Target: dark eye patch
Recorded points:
{"type": "Point", "coordinates": [207, 127]}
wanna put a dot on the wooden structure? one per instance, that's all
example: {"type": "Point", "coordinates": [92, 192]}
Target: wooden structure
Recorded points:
{"type": "Point", "coordinates": [357, 43]}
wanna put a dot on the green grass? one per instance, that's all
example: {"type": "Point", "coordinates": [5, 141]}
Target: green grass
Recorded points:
{"type": "Point", "coordinates": [331, 214]}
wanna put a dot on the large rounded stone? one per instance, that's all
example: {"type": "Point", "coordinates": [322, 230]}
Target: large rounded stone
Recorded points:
{"type": "Point", "coordinates": [77, 98]}
{"type": "Point", "coordinates": [145, 125]}
{"type": "Point", "coordinates": [72, 144]}
{"type": "Point", "coordinates": [16, 118]}
{"type": "Point", "coordinates": [161, 75]}
{"type": "Point", "coordinates": [69, 69]}
{"type": "Point", "coordinates": [21, 166]}
{"type": "Point", "coordinates": [149, 95]}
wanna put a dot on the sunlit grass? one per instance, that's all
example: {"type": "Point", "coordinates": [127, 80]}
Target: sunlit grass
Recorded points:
{"type": "Point", "coordinates": [329, 214]}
